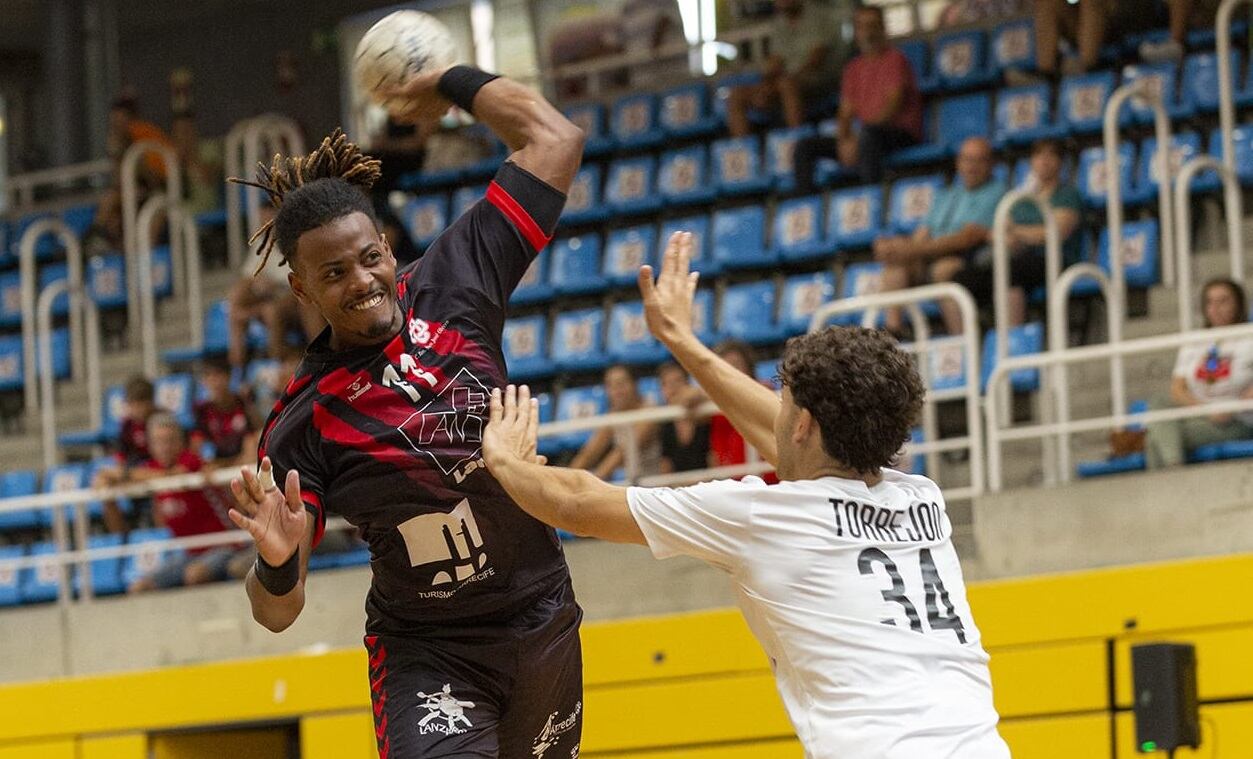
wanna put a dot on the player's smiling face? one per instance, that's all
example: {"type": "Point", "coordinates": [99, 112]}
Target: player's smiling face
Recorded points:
{"type": "Point", "coordinates": [346, 270]}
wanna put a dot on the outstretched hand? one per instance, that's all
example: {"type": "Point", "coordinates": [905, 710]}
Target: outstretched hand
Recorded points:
{"type": "Point", "coordinates": [668, 301]}
{"type": "Point", "coordinates": [512, 433]}
{"type": "Point", "coordinates": [276, 520]}
{"type": "Point", "coordinates": [417, 100]}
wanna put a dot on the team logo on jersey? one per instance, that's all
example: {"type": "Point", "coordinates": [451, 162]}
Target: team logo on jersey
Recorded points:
{"type": "Point", "coordinates": [450, 546]}
{"type": "Point", "coordinates": [553, 730]}
{"type": "Point", "coordinates": [449, 428]}
{"type": "Point", "coordinates": [420, 332]}
{"type": "Point", "coordinates": [445, 713]}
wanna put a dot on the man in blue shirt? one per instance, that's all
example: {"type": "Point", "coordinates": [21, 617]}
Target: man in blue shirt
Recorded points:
{"type": "Point", "coordinates": [955, 233]}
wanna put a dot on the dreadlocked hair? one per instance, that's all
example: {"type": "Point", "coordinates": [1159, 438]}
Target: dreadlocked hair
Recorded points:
{"type": "Point", "coordinates": [312, 190]}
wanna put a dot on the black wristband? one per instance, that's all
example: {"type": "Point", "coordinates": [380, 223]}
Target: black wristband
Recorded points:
{"type": "Point", "coordinates": [461, 83]}
{"type": "Point", "coordinates": [278, 581]}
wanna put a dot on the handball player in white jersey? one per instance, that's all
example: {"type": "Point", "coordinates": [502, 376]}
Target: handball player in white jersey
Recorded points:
{"type": "Point", "coordinates": [845, 570]}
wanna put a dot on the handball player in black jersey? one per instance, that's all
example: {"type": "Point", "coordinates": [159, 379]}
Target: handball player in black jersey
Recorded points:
{"type": "Point", "coordinates": [472, 626]}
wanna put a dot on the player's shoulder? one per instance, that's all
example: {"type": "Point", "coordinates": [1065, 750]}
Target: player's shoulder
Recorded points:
{"type": "Point", "coordinates": [916, 484]}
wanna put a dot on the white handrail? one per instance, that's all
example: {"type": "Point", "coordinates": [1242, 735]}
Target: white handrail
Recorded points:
{"type": "Point", "coordinates": [1183, 224]}
{"type": "Point", "coordinates": [29, 283]}
{"type": "Point", "coordinates": [79, 300]}
{"type": "Point", "coordinates": [21, 187]}
{"type": "Point", "coordinates": [184, 262]}
{"type": "Point", "coordinates": [245, 145]}
{"type": "Point", "coordinates": [130, 212]}
{"type": "Point", "coordinates": [997, 435]}
{"type": "Point", "coordinates": [1226, 97]}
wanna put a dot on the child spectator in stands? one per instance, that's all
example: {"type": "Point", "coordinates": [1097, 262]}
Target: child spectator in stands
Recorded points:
{"type": "Point", "coordinates": [131, 447]}
{"type": "Point", "coordinates": [806, 51]}
{"type": "Point", "coordinates": [224, 420]}
{"type": "Point", "coordinates": [684, 442]}
{"type": "Point", "coordinates": [606, 450]}
{"type": "Point", "coordinates": [1025, 233]}
{"type": "Point", "coordinates": [954, 235]}
{"type": "Point", "coordinates": [185, 512]}
{"type": "Point", "coordinates": [879, 89]}
{"type": "Point", "coordinates": [1207, 372]}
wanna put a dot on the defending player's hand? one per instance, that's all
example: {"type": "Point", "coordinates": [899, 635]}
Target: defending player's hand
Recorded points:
{"type": "Point", "coordinates": [276, 520]}
{"type": "Point", "coordinates": [512, 432]}
{"type": "Point", "coordinates": [418, 99]}
{"type": "Point", "coordinates": [668, 301]}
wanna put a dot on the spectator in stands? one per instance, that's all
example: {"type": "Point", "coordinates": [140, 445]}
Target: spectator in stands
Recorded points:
{"type": "Point", "coordinates": [1207, 372]}
{"type": "Point", "coordinates": [131, 447]}
{"type": "Point", "coordinates": [726, 445]}
{"type": "Point", "coordinates": [879, 90]}
{"type": "Point", "coordinates": [223, 420]}
{"type": "Point", "coordinates": [605, 451]}
{"type": "Point", "coordinates": [1087, 24]}
{"type": "Point", "coordinates": [954, 234]}
{"type": "Point", "coordinates": [125, 129]}
{"type": "Point", "coordinates": [804, 63]}
{"type": "Point", "coordinates": [684, 442]}
{"type": "Point", "coordinates": [1184, 15]}
{"type": "Point", "coordinates": [264, 395]}
{"type": "Point", "coordinates": [967, 12]}
{"type": "Point", "coordinates": [1025, 233]}
{"type": "Point", "coordinates": [183, 512]}
{"type": "Point", "coordinates": [202, 165]}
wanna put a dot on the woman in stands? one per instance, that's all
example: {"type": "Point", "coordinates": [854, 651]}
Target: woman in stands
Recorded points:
{"type": "Point", "coordinates": [605, 451]}
{"type": "Point", "coordinates": [1207, 372]}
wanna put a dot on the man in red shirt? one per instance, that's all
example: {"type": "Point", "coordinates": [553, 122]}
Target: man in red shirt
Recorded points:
{"type": "Point", "coordinates": [879, 90]}
{"type": "Point", "coordinates": [223, 420]}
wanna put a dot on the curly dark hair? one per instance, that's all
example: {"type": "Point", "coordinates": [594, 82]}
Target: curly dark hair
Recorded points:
{"type": "Point", "coordinates": [862, 390]}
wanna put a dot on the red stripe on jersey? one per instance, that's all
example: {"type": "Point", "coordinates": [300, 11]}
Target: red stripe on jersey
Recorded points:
{"type": "Point", "coordinates": [295, 385]}
{"type": "Point", "coordinates": [312, 498]}
{"type": "Point", "coordinates": [500, 197]}
{"type": "Point", "coordinates": [378, 693]}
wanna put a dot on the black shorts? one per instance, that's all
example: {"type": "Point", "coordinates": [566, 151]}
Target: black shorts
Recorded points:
{"type": "Point", "coordinates": [507, 691]}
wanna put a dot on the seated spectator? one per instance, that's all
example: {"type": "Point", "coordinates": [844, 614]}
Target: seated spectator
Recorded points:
{"type": "Point", "coordinates": [131, 447]}
{"type": "Point", "coordinates": [1086, 24]}
{"type": "Point", "coordinates": [1025, 234]}
{"type": "Point", "coordinates": [605, 451]}
{"type": "Point", "coordinates": [1207, 372]}
{"type": "Point", "coordinates": [224, 420]}
{"type": "Point", "coordinates": [125, 129]}
{"type": "Point", "coordinates": [880, 90]}
{"type": "Point", "coordinates": [202, 165]}
{"type": "Point", "coordinates": [954, 235]}
{"type": "Point", "coordinates": [803, 64]}
{"type": "Point", "coordinates": [726, 444]}
{"type": "Point", "coordinates": [684, 442]}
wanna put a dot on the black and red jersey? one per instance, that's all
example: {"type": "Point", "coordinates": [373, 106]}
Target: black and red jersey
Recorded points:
{"type": "Point", "coordinates": [225, 428]}
{"type": "Point", "coordinates": [389, 436]}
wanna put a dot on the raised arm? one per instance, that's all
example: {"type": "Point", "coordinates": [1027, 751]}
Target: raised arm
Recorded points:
{"type": "Point", "coordinates": [749, 406]}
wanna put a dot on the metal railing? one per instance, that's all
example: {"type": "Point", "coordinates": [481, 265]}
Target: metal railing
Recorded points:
{"type": "Point", "coordinates": [247, 143]}
{"type": "Point", "coordinates": [1183, 224]}
{"type": "Point", "coordinates": [1226, 87]}
{"type": "Point", "coordinates": [21, 188]}
{"type": "Point", "coordinates": [185, 275]}
{"type": "Point", "coordinates": [80, 301]}
{"type": "Point", "coordinates": [130, 214]}
{"type": "Point", "coordinates": [998, 435]}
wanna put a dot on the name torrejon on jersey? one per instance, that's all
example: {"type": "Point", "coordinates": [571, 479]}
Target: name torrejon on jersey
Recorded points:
{"type": "Point", "coordinates": [921, 522]}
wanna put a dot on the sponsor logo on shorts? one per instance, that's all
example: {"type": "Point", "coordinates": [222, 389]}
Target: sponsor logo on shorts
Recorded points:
{"type": "Point", "coordinates": [553, 730]}
{"type": "Point", "coordinates": [445, 713]}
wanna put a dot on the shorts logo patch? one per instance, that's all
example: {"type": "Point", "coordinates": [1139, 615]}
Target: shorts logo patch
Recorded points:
{"type": "Point", "coordinates": [445, 713]}
{"type": "Point", "coordinates": [553, 730]}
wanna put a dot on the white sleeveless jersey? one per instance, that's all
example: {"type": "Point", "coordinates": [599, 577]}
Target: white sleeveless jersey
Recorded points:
{"type": "Point", "coordinates": [857, 596]}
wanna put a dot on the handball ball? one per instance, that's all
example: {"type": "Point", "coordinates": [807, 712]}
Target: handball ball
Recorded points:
{"type": "Point", "coordinates": [400, 45]}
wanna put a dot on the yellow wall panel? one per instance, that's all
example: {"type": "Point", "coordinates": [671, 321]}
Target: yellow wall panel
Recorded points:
{"type": "Point", "coordinates": [1226, 733]}
{"type": "Point", "coordinates": [131, 746]}
{"type": "Point", "coordinates": [652, 648]}
{"type": "Point", "coordinates": [779, 749]}
{"type": "Point", "coordinates": [1079, 737]}
{"type": "Point", "coordinates": [1055, 678]}
{"type": "Point", "coordinates": [1224, 667]}
{"type": "Point", "coordinates": [232, 744]}
{"type": "Point", "coordinates": [64, 748]}
{"type": "Point", "coordinates": [338, 736]}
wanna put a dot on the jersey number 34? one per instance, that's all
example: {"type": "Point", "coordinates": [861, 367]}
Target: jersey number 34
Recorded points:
{"type": "Point", "coordinates": [932, 587]}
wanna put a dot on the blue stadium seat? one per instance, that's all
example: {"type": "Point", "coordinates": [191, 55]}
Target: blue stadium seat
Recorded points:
{"type": "Point", "coordinates": [1242, 139]}
{"type": "Point", "coordinates": [176, 393]}
{"type": "Point", "coordinates": [1013, 46]}
{"type": "Point", "coordinates": [797, 230]}
{"type": "Point", "coordinates": [110, 421]}
{"type": "Point", "coordinates": [425, 218]}
{"type": "Point", "coordinates": [1024, 339]}
{"type": "Point", "coordinates": [60, 353]}
{"type": "Point", "coordinates": [578, 340]}
{"type": "Point", "coordinates": [859, 279]}
{"type": "Point", "coordinates": [1140, 253]}
{"type": "Point", "coordinates": [957, 119]}
{"type": "Point", "coordinates": [780, 147]}
{"type": "Point", "coordinates": [525, 342]}
{"type": "Point", "coordinates": [16, 484]}
{"type": "Point", "coordinates": [10, 579]}
{"type": "Point", "coordinates": [534, 287]}
{"type": "Point", "coordinates": [702, 250]}
{"type": "Point", "coordinates": [747, 313]}
{"type": "Point", "coordinates": [1183, 147]}
{"type": "Point", "coordinates": [39, 583]}
{"type": "Point", "coordinates": [547, 411]}
{"type": "Point", "coordinates": [634, 123]}
{"type": "Point", "coordinates": [1164, 78]}
{"type": "Point", "coordinates": [59, 479]}
{"type": "Point", "coordinates": [590, 117]}
{"type": "Point", "coordinates": [629, 340]}
{"type": "Point", "coordinates": [575, 265]}
{"type": "Point", "coordinates": [768, 372]}
{"type": "Point", "coordinates": [138, 565]}
{"type": "Point", "coordinates": [703, 322]}
{"type": "Point", "coordinates": [1024, 115]}
{"type": "Point", "coordinates": [1081, 103]}
{"type": "Point", "coordinates": [739, 238]}
{"type": "Point", "coordinates": [1232, 449]}
{"type": "Point", "coordinates": [465, 197]}
{"type": "Point", "coordinates": [726, 84]}
{"type": "Point", "coordinates": [685, 112]}
{"type": "Point", "coordinates": [737, 168]}
{"type": "Point", "coordinates": [10, 299]}
{"type": "Point", "coordinates": [916, 52]}
{"type": "Point", "coordinates": [1092, 168]}
{"type": "Point", "coordinates": [162, 272]}
{"type": "Point", "coordinates": [10, 362]}
{"type": "Point", "coordinates": [946, 364]}
{"type": "Point", "coordinates": [854, 217]}
{"type": "Point", "coordinates": [828, 171]}
{"type": "Point", "coordinates": [802, 296]}
{"type": "Point", "coordinates": [79, 219]}
{"type": "Point", "coordinates": [626, 250]}
{"type": "Point", "coordinates": [45, 246]}
{"type": "Point", "coordinates": [215, 341]}
{"type": "Point", "coordinates": [629, 187]}
{"type": "Point", "coordinates": [214, 218]}
{"type": "Point", "coordinates": [649, 389]}
{"type": "Point", "coordinates": [911, 201]}
{"type": "Point", "coordinates": [1200, 79]}
{"type": "Point", "coordinates": [48, 274]}
{"type": "Point", "coordinates": [579, 403]}
{"type": "Point", "coordinates": [1134, 462]}
{"type": "Point", "coordinates": [958, 60]}
{"type": "Point", "coordinates": [683, 177]}
{"type": "Point", "coordinates": [106, 574]}
{"type": "Point", "coordinates": [106, 280]}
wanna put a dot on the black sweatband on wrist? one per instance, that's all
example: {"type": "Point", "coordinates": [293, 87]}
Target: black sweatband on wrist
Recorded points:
{"type": "Point", "coordinates": [278, 581]}
{"type": "Point", "coordinates": [461, 83]}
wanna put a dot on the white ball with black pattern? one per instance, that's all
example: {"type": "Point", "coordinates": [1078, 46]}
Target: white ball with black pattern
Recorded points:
{"type": "Point", "coordinates": [398, 46]}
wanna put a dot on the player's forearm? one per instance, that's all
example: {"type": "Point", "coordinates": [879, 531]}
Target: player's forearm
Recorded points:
{"type": "Point", "coordinates": [274, 613]}
{"type": "Point", "coordinates": [750, 406]}
{"type": "Point", "coordinates": [543, 141]}
{"type": "Point", "coordinates": [550, 494]}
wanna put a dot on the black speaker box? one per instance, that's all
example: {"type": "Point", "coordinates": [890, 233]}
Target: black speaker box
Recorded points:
{"type": "Point", "coordinates": [1167, 716]}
